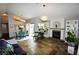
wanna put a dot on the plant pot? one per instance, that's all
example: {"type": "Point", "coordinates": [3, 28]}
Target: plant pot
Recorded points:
{"type": "Point", "coordinates": [71, 44]}
{"type": "Point", "coordinates": [72, 48]}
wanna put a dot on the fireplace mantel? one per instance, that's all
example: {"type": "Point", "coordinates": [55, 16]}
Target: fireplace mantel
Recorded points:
{"type": "Point", "coordinates": [57, 28]}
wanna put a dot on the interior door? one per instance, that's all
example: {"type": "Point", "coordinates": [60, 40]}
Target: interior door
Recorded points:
{"type": "Point", "coordinates": [5, 31]}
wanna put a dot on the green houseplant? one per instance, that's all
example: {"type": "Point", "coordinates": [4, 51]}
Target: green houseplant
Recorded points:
{"type": "Point", "coordinates": [71, 37]}
{"type": "Point", "coordinates": [72, 41]}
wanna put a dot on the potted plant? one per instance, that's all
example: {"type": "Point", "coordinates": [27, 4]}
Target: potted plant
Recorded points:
{"type": "Point", "coordinates": [71, 38]}
{"type": "Point", "coordinates": [72, 41]}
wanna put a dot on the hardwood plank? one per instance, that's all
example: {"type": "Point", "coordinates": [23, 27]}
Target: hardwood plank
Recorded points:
{"type": "Point", "coordinates": [46, 46]}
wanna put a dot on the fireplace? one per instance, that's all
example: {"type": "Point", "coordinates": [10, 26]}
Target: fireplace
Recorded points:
{"type": "Point", "coordinates": [56, 34]}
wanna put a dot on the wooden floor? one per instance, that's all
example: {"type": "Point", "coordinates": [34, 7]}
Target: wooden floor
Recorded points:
{"type": "Point", "coordinates": [44, 46]}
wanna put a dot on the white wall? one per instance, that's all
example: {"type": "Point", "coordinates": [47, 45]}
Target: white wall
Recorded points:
{"type": "Point", "coordinates": [11, 26]}
{"type": "Point", "coordinates": [2, 7]}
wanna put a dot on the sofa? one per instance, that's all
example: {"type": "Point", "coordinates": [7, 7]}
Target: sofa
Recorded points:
{"type": "Point", "coordinates": [13, 49]}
